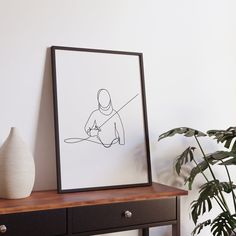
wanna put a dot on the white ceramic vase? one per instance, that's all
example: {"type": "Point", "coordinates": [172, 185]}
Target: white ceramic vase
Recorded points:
{"type": "Point", "coordinates": [17, 169]}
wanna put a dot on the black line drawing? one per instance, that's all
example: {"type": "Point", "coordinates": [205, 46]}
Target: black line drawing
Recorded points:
{"type": "Point", "coordinates": [104, 125]}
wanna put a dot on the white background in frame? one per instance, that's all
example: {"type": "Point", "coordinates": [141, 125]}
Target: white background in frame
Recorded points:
{"type": "Point", "coordinates": [80, 75]}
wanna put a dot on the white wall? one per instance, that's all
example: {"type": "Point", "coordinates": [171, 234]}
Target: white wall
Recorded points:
{"type": "Point", "coordinates": [189, 55]}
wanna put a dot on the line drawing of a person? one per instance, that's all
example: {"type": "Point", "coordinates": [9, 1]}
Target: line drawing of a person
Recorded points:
{"type": "Point", "coordinates": [104, 124]}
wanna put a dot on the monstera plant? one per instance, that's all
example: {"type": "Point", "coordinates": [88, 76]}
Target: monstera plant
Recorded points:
{"type": "Point", "coordinates": [213, 191]}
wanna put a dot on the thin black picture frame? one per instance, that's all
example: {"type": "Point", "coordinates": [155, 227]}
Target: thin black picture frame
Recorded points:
{"type": "Point", "coordinates": [60, 188]}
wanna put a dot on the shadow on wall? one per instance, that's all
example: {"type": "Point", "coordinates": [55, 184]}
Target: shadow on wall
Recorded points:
{"type": "Point", "coordinates": [169, 176]}
{"type": "Point", "coordinates": [44, 151]}
{"type": "Point", "coordinates": [140, 158]}
{"type": "Point", "coordinates": [165, 171]}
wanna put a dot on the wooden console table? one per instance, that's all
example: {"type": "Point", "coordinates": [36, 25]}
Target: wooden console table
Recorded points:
{"type": "Point", "coordinates": [87, 213]}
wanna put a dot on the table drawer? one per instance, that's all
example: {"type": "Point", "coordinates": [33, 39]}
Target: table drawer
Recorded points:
{"type": "Point", "coordinates": [40, 223]}
{"type": "Point", "coordinates": [92, 218]}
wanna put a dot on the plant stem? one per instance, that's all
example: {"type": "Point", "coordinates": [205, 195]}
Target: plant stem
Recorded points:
{"type": "Point", "coordinates": [219, 201]}
{"type": "Point", "coordinates": [230, 182]}
{"type": "Point", "coordinates": [212, 173]}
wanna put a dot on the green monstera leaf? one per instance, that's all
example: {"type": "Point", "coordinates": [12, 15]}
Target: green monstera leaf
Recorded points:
{"type": "Point", "coordinates": [185, 157]}
{"type": "Point", "coordinates": [230, 158]}
{"type": "Point", "coordinates": [225, 136]}
{"type": "Point", "coordinates": [208, 191]}
{"type": "Point", "coordinates": [187, 132]}
{"type": "Point", "coordinates": [212, 159]}
{"type": "Point", "coordinates": [200, 226]}
{"type": "Point", "coordinates": [223, 224]}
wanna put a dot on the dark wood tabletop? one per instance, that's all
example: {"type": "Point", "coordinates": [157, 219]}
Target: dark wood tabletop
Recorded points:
{"type": "Point", "coordinates": [46, 200]}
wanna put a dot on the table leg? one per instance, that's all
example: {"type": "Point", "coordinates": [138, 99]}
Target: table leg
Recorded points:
{"type": "Point", "coordinates": [145, 232]}
{"type": "Point", "coordinates": [176, 227]}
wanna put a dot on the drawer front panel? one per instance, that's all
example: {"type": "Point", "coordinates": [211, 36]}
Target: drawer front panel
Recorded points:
{"type": "Point", "coordinates": [40, 223]}
{"type": "Point", "coordinates": [91, 218]}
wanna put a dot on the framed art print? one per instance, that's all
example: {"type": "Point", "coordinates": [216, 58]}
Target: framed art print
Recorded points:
{"type": "Point", "coordinates": [100, 119]}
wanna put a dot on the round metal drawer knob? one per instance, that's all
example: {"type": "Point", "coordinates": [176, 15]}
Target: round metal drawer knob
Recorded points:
{"type": "Point", "coordinates": [128, 214]}
{"type": "Point", "coordinates": [3, 229]}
